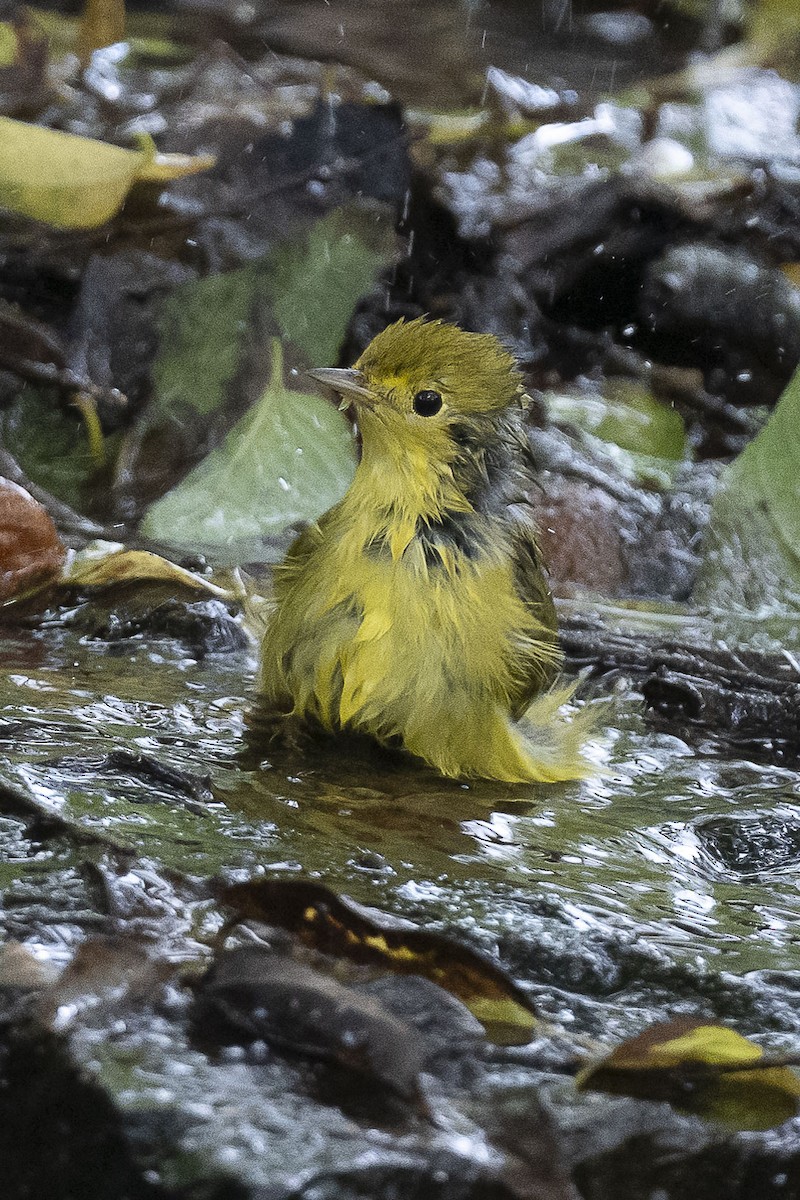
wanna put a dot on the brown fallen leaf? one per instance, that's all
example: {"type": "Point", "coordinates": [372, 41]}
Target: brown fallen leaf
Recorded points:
{"type": "Point", "coordinates": [700, 1068]}
{"type": "Point", "coordinates": [31, 552]}
{"type": "Point", "coordinates": [21, 969]}
{"type": "Point", "coordinates": [116, 970]}
{"type": "Point", "coordinates": [102, 24]}
{"type": "Point", "coordinates": [337, 926]}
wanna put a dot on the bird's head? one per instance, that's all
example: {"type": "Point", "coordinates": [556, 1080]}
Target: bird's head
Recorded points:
{"type": "Point", "coordinates": [420, 384]}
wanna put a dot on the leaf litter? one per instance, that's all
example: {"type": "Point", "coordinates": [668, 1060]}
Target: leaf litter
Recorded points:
{"type": "Point", "coordinates": [552, 220]}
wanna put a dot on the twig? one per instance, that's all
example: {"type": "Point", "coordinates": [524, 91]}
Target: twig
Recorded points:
{"type": "Point", "coordinates": [63, 378]}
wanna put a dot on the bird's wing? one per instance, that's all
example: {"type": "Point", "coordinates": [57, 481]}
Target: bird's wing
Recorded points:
{"type": "Point", "coordinates": [542, 654]}
{"type": "Point", "coordinates": [543, 657]}
{"type": "Point", "coordinates": [301, 550]}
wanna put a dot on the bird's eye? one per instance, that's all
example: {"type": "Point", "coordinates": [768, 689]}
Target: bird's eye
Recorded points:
{"type": "Point", "coordinates": [427, 404]}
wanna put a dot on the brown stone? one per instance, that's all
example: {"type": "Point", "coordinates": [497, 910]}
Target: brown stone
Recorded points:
{"type": "Point", "coordinates": [581, 536]}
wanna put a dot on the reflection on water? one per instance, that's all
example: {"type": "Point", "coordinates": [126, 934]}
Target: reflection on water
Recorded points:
{"type": "Point", "coordinates": [673, 866]}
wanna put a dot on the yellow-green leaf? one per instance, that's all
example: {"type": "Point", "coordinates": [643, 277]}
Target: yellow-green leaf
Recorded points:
{"type": "Point", "coordinates": [107, 564]}
{"type": "Point", "coordinates": [74, 182]}
{"type": "Point", "coordinates": [701, 1068]}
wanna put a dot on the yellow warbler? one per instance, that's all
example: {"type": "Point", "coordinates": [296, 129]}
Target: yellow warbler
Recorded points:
{"type": "Point", "coordinates": [415, 610]}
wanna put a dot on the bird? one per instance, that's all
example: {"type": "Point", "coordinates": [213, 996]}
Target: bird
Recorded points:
{"type": "Point", "coordinates": [416, 610]}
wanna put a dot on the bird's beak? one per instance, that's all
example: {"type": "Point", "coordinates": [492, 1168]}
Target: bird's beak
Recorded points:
{"type": "Point", "coordinates": [349, 383]}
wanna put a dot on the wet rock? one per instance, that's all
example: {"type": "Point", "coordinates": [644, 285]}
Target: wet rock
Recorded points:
{"type": "Point", "coordinates": [743, 313]}
{"type": "Point", "coordinates": [600, 530]}
{"type": "Point", "coordinates": [60, 1135]}
{"type": "Point", "coordinates": [203, 627]}
{"type": "Point", "coordinates": [582, 536]}
{"type": "Point", "coordinates": [729, 1171]}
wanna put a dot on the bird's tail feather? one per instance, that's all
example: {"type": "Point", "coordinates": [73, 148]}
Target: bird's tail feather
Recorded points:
{"type": "Point", "coordinates": [555, 742]}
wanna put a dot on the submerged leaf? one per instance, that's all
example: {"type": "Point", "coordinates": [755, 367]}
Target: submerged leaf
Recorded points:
{"type": "Point", "coordinates": [337, 926]}
{"type": "Point", "coordinates": [701, 1068]}
{"type": "Point", "coordinates": [73, 182]}
{"type": "Point", "coordinates": [252, 993]}
{"type": "Point", "coordinates": [288, 460]}
{"type": "Point", "coordinates": [752, 545]}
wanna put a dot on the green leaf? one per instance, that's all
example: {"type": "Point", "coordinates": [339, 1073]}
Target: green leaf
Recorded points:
{"type": "Point", "coordinates": [752, 545]}
{"type": "Point", "coordinates": [288, 460]}
{"type": "Point", "coordinates": [49, 444]}
{"type": "Point", "coordinates": [314, 285]}
{"type": "Point", "coordinates": [626, 415]}
{"type": "Point", "coordinates": [292, 455]}
{"type": "Point", "coordinates": [201, 329]}
{"type": "Point", "coordinates": [701, 1068]}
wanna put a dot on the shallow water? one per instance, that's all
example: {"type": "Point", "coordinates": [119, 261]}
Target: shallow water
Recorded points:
{"type": "Point", "coordinates": [669, 883]}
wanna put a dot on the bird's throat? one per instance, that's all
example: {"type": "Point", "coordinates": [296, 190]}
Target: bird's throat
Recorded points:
{"type": "Point", "coordinates": [400, 487]}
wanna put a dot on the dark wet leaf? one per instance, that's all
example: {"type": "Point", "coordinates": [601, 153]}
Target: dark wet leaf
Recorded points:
{"type": "Point", "coordinates": [338, 926]}
{"type": "Point", "coordinates": [702, 1068]}
{"type": "Point", "coordinates": [31, 552]}
{"type": "Point", "coordinates": [254, 994]}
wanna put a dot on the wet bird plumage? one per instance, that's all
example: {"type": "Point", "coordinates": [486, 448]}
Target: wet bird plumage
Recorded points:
{"type": "Point", "coordinates": [416, 610]}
